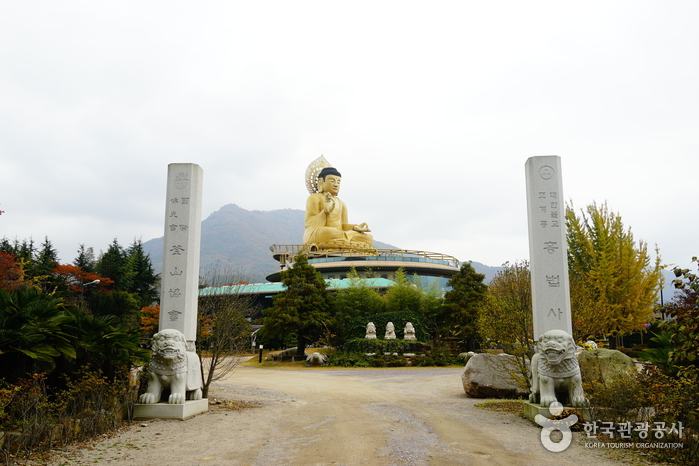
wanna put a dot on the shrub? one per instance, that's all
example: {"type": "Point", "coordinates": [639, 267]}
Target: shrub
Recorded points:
{"type": "Point", "coordinates": [40, 418]}
{"type": "Point", "coordinates": [357, 328]}
{"type": "Point", "coordinates": [654, 397]}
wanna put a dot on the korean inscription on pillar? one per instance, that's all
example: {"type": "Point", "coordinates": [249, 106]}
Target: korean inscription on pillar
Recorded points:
{"type": "Point", "coordinates": [547, 244]}
{"type": "Point", "coordinates": [549, 218]}
{"type": "Point", "coordinates": [178, 216]}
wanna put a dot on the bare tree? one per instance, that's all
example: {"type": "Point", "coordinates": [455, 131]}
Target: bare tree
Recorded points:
{"type": "Point", "coordinates": [224, 331]}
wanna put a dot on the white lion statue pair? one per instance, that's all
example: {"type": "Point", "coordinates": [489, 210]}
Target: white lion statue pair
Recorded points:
{"type": "Point", "coordinates": [172, 366]}
{"type": "Point", "coordinates": [554, 368]}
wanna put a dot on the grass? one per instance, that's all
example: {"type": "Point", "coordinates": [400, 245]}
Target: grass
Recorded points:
{"type": "Point", "coordinates": [502, 406]}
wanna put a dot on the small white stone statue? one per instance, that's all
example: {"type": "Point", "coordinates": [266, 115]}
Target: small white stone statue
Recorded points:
{"type": "Point", "coordinates": [390, 332]}
{"type": "Point", "coordinates": [316, 359]}
{"type": "Point", "coordinates": [409, 332]}
{"type": "Point", "coordinates": [370, 331]}
{"type": "Point", "coordinates": [172, 366]}
{"type": "Point", "coordinates": [555, 369]}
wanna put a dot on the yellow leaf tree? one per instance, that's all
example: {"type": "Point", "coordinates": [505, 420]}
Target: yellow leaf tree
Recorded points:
{"type": "Point", "coordinates": [614, 281]}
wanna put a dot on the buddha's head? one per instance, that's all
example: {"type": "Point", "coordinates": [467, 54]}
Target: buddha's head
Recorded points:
{"type": "Point", "coordinates": [329, 181]}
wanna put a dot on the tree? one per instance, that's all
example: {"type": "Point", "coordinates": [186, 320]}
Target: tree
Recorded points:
{"type": "Point", "coordinates": [223, 332]}
{"type": "Point", "coordinates": [684, 326]}
{"type": "Point", "coordinates": [103, 343]}
{"type": "Point", "coordinates": [71, 280]}
{"type": "Point", "coordinates": [144, 279]}
{"type": "Point", "coordinates": [404, 295]}
{"type": "Point", "coordinates": [44, 263]}
{"type": "Point", "coordinates": [505, 316]}
{"type": "Point", "coordinates": [115, 264]}
{"type": "Point", "coordinates": [121, 304]}
{"type": "Point", "coordinates": [150, 321]}
{"type": "Point", "coordinates": [457, 317]}
{"type": "Point", "coordinates": [617, 272]}
{"type": "Point", "coordinates": [33, 332]}
{"type": "Point", "coordinates": [301, 310]}
{"type": "Point", "coordinates": [11, 272]}
{"type": "Point", "coordinates": [86, 259]}
{"type": "Point", "coordinates": [356, 300]}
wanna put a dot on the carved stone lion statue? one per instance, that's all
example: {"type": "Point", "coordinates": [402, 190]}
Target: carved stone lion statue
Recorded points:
{"type": "Point", "coordinates": [172, 366]}
{"type": "Point", "coordinates": [555, 371]}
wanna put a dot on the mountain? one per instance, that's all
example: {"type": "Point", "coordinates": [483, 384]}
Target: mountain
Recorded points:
{"type": "Point", "coordinates": [241, 238]}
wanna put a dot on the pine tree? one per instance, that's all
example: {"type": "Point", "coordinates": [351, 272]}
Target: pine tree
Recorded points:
{"type": "Point", "coordinates": [144, 278]}
{"type": "Point", "coordinates": [115, 264]}
{"type": "Point", "coordinates": [302, 309]}
{"type": "Point", "coordinates": [458, 315]}
{"type": "Point", "coordinates": [85, 259]}
{"type": "Point", "coordinates": [44, 264]}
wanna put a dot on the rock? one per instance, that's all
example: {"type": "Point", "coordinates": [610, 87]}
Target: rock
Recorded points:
{"type": "Point", "coordinates": [494, 376]}
{"type": "Point", "coordinates": [604, 363]}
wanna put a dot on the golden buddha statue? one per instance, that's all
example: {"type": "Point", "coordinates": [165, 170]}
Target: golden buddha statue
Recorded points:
{"type": "Point", "coordinates": [327, 226]}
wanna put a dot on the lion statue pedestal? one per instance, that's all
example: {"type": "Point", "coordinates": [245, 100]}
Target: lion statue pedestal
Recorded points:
{"type": "Point", "coordinates": [172, 367]}
{"type": "Point", "coordinates": [555, 373]}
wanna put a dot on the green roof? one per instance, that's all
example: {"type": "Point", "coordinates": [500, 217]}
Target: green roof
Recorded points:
{"type": "Point", "coordinates": [273, 288]}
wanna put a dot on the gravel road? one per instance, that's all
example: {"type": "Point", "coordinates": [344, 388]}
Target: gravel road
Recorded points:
{"type": "Point", "coordinates": [318, 416]}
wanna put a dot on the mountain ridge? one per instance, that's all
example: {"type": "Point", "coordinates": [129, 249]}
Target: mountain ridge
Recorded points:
{"type": "Point", "coordinates": [235, 237]}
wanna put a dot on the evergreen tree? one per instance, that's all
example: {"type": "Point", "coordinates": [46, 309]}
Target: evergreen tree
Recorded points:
{"type": "Point", "coordinates": [121, 304]}
{"type": "Point", "coordinates": [44, 264]}
{"type": "Point", "coordinates": [458, 316]}
{"type": "Point", "coordinates": [144, 278]}
{"type": "Point", "coordinates": [86, 259]}
{"type": "Point", "coordinates": [617, 272]}
{"type": "Point", "coordinates": [301, 310]}
{"type": "Point", "coordinates": [115, 264]}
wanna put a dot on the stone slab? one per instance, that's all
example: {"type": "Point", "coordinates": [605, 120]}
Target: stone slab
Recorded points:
{"type": "Point", "coordinates": [532, 409]}
{"type": "Point", "coordinates": [179, 287]}
{"type": "Point", "coordinates": [547, 245]}
{"type": "Point", "coordinates": [189, 409]}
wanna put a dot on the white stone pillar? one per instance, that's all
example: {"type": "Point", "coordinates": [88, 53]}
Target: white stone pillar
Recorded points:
{"type": "Point", "coordinates": [547, 245]}
{"type": "Point", "coordinates": [181, 246]}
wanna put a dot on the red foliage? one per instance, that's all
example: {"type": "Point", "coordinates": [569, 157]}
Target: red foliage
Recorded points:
{"type": "Point", "coordinates": [75, 276]}
{"type": "Point", "coordinates": [11, 273]}
{"type": "Point", "coordinates": [150, 320]}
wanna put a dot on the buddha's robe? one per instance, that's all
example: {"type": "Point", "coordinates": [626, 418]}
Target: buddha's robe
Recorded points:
{"type": "Point", "coordinates": [322, 227]}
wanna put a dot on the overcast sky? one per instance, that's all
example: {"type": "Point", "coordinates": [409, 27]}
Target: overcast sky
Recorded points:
{"type": "Point", "coordinates": [429, 109]}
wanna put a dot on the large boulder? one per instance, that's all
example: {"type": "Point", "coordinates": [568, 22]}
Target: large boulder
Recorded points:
{"type": "Point", "coordinates": [494, 376]}
{"type": "Point", "coordinates": [604, 364]}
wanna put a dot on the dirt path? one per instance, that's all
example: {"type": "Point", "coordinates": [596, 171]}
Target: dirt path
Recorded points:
{"type": "Point", "coordinates": [344, 417]}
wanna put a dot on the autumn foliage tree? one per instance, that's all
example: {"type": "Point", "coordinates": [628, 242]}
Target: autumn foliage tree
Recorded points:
{"type": "Point", "coordinates": [11, 272]}
{"type": "Point", "coordinates": [505, 315]}
{"type": "Point", "coordinates": [616, 272]}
